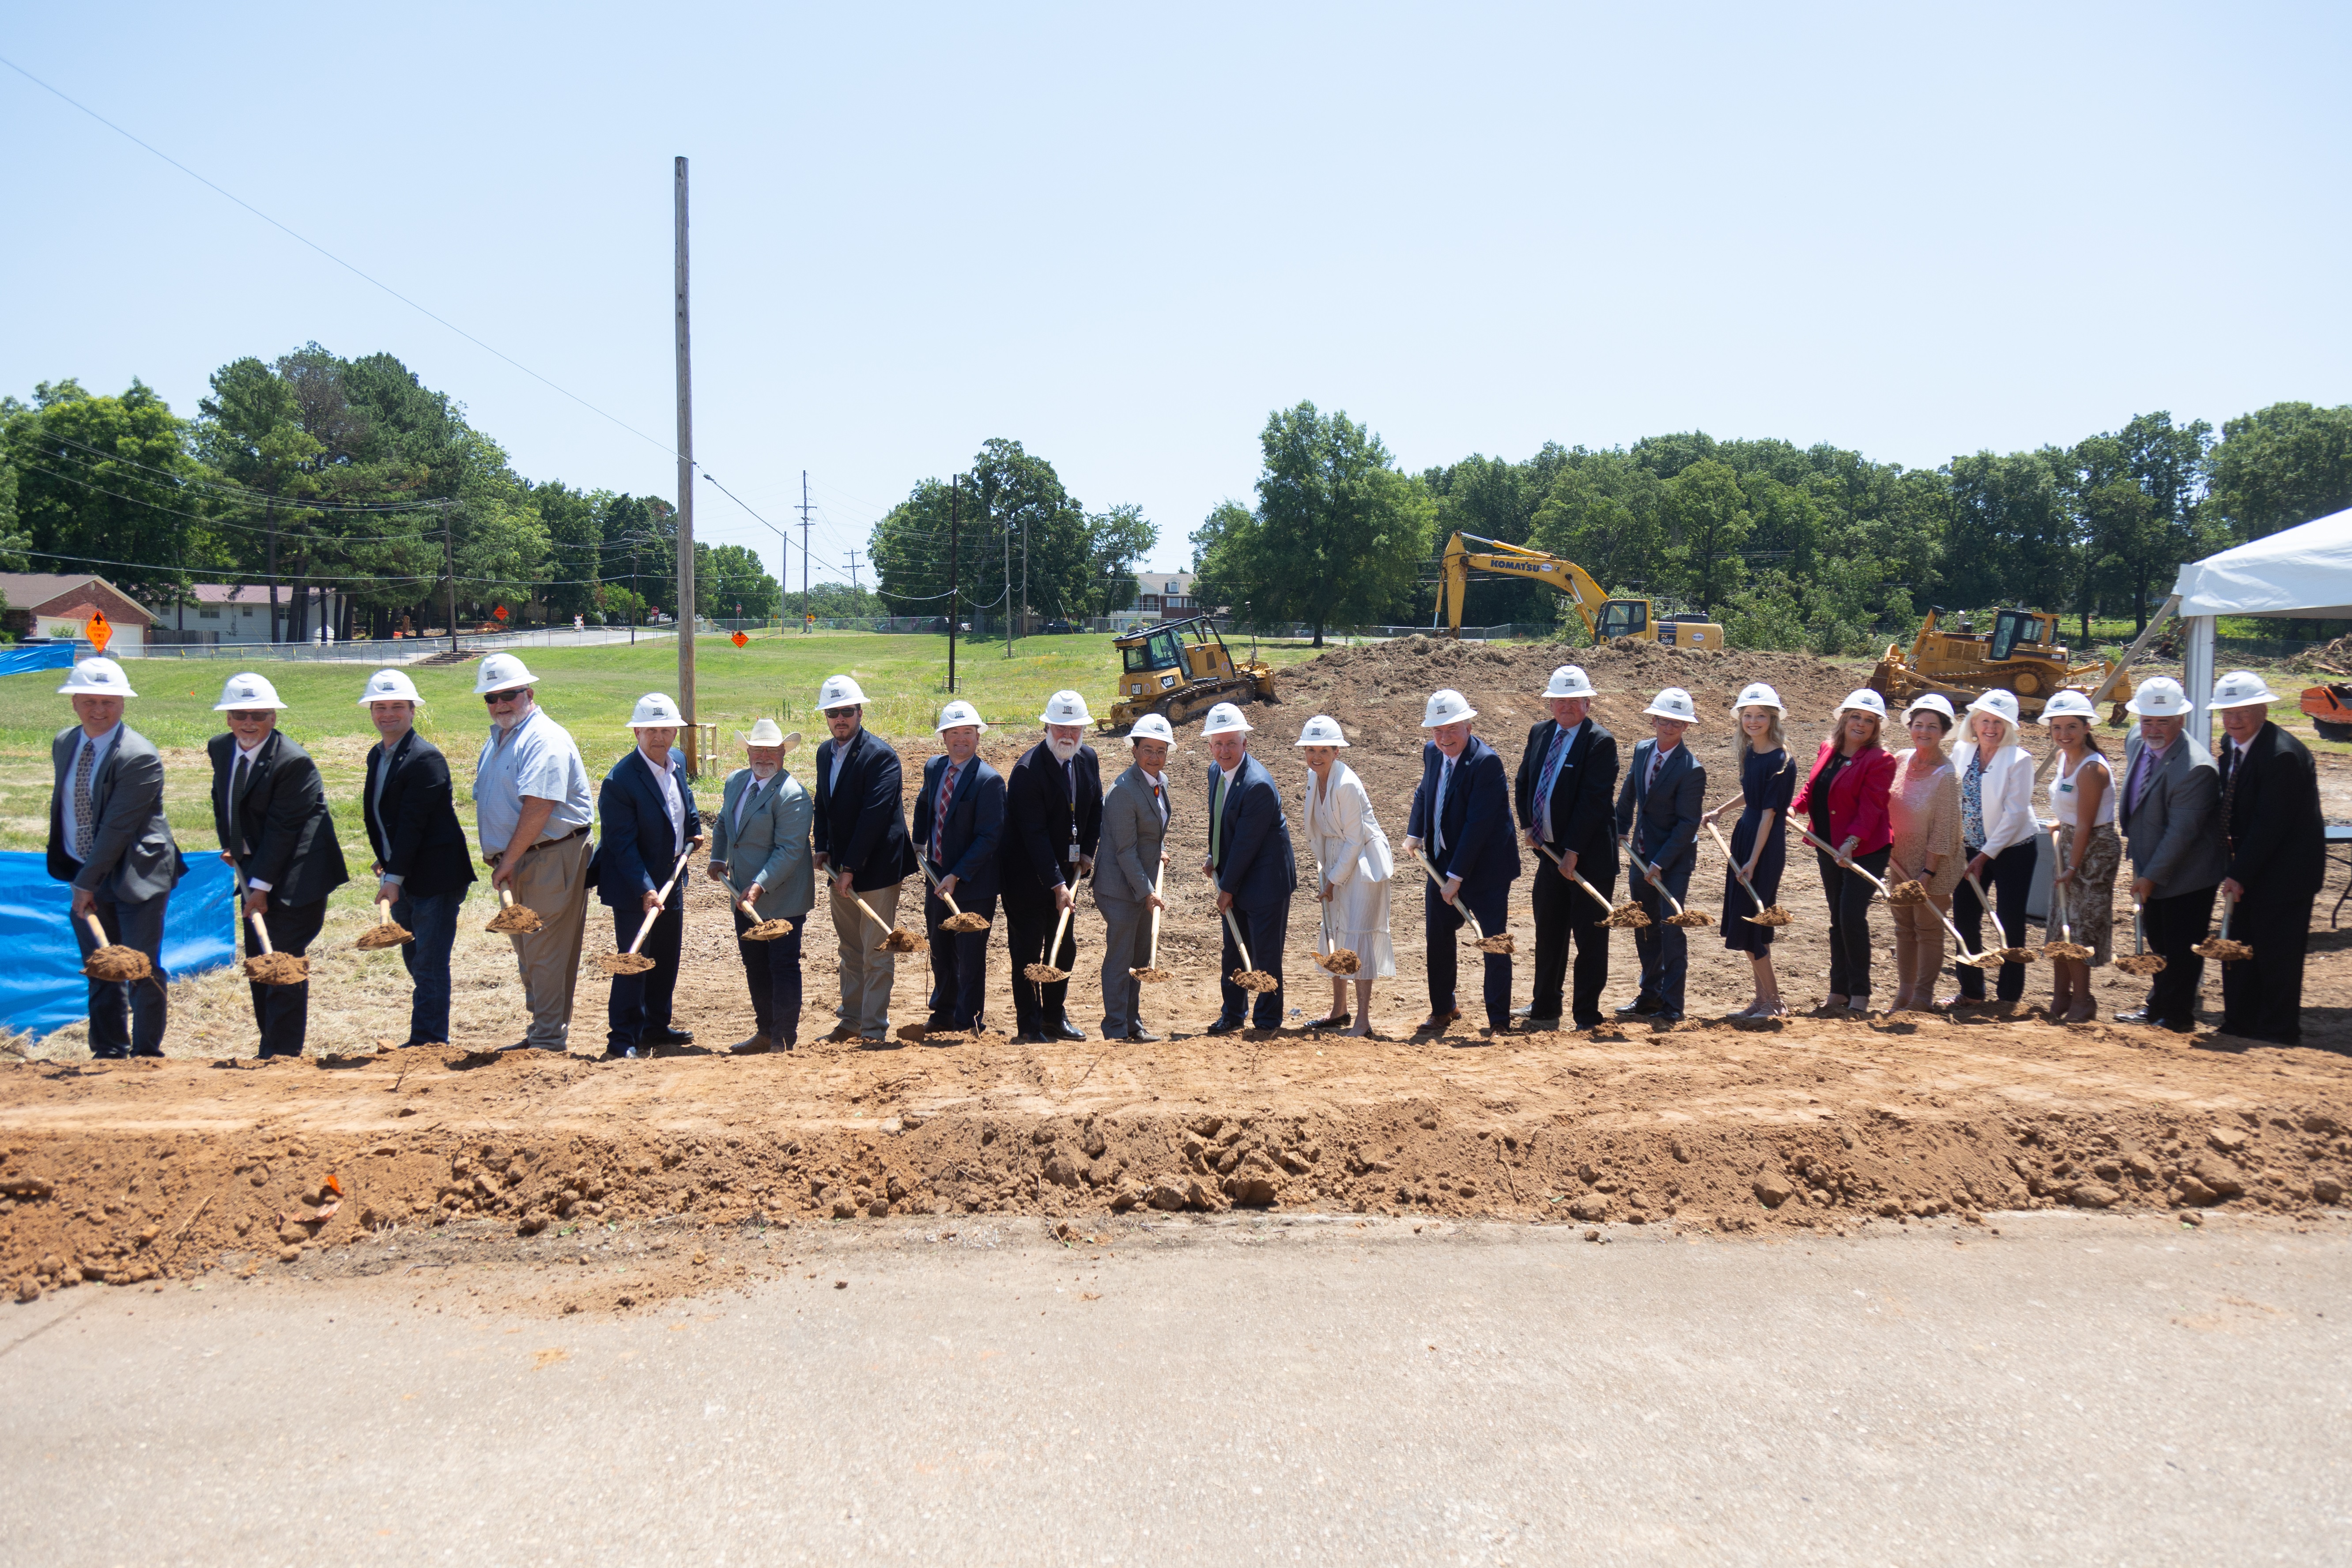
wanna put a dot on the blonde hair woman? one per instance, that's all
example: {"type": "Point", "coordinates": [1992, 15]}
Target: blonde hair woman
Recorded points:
{"type": "Point", "coordinates": [1997, 831]}
{"type": "Point", "coordinates": [1760, 843]}
{"type": "Point", "coordinates": [1353, 854]}
{"type": "Point", "coordinates": [1923, 802]}
{"type": "Point", "coordinates": [2083, 799]}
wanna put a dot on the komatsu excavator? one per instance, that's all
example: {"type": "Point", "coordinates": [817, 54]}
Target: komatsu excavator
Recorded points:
{"type": "Point", "coordinates": [1604, 618]}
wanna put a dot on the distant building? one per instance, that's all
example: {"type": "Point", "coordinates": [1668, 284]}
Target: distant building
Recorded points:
{"type": "Point", "coordinates": [55, 605]}
{"type": "Point", "coordinates": [1163, 596]}
{"type": "Point", "coordinates": [239, 613]}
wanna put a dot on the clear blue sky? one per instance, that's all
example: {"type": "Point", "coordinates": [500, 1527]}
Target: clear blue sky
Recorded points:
{"type": "Point", "coordinates": [1122, 235]}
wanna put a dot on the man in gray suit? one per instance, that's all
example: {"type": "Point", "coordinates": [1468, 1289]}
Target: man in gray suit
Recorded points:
{"type": "Point", "coordinates": [2169, 812]}
{"type": "Point", "coordinates": [1134, 835]}
{"type": "Point", "coordinates": [108, 839]}
{"type": "Point", "coordinates": [760, 848]}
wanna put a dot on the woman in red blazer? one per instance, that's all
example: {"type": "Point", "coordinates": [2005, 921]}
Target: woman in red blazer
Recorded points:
{"type": "Point", "coordinates": [1844, 803]}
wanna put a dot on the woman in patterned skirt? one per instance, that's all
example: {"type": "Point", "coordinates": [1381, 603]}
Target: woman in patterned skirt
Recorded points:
{"type": "Point", "coordinates": [2083, 799]}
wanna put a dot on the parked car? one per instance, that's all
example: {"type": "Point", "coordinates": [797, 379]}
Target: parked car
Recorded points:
{"type": "Point", "coordinates": [1057, 626]}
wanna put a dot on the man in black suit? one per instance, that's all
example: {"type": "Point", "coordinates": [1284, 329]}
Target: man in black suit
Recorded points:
{"type": "Point", "coordinates": [649, 823]}
{"type": "Point", "coordinates": [1567, 776]}
{"type": "Point", "coordinates": [1250, 861]}
{"type": "Point", "coordinates": [861, 847]}
{"type": "Point", "coordinates": [959, 823]}
{"type": "Point", "coordinates": [2278, 856]}
{"type": "Point", "coordinates": [108, 839]}
{"type": "Point", "coordinates": [1462, 811]}
{"type": "Point", "coordinates": [1666, 790]}
{"type": "Point", "coordinates": [269, 808]}
{"type": "Point", "coordinates": [423, 864]}
{"type": "Point", "coordinates": [1053, 824]}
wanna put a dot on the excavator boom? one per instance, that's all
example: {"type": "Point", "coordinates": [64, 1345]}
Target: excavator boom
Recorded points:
{"type": "Point", "coordinates": [1634, 616]}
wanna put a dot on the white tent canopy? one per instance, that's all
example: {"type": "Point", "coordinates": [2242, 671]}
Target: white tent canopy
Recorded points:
{"type": "Point", "coordinates": [2303, 572]}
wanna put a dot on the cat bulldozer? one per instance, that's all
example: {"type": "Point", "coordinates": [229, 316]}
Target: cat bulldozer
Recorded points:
{"type": "Point", "coordinates": [2021, 653]}
{"type": "Point", "coordinates": [1178, 669]}
{"type": "Point", "coordinates": [1605, 618]}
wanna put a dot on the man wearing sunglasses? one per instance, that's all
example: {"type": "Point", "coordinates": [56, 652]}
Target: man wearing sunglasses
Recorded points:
{"type": "Point", "coordinates": [269, 808]}
{"type": "Point", "coordinates": [531, 814]}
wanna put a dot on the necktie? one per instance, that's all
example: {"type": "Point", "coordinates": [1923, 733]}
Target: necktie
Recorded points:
{"type": "Point", "coordinates": [1160, 801]}
{"type": "Point", "coordinates": [1217, 819]}
{"type": "Point", "coordinates": [743, 806]}
{"type": "Point", "coordinates": [1437, 820]}
{"type": "Point", "coordinates": [1543, 785]}
{"type": "Point", "coordinates": [1657, 761]}
{"type": "Point", "coordinates": [2233, 760]}
{"type": "Point", "coordinates": [939, 818]}
{"type": "Point", "coordinates": [84, 808]}
{"type": "Point", "coordinates": [2138, 779]}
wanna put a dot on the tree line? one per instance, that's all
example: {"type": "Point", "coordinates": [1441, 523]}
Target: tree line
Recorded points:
{"type": "Point", "coordinates": [312, 473]}
{"type": "Point", "coordinates": [1817, 548]}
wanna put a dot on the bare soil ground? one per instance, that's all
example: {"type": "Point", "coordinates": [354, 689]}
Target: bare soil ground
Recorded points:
{"type": "Point", "coordinates": [146, 1171]}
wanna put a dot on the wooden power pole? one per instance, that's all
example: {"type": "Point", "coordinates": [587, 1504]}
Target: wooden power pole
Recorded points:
{"type": "Point", "coordinates": [955, 496]}
{"type": "Point", "coordinates": [684, 493]}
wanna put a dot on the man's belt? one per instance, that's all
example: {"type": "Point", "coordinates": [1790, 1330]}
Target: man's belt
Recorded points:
{"type": "Point", "coordinates": [492, 860]}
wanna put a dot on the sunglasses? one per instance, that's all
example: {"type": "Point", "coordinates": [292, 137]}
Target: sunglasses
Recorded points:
{"type": "Point", "coordinates": [492, 699]}
{"type": "Point", "coordinates": [250, 716]}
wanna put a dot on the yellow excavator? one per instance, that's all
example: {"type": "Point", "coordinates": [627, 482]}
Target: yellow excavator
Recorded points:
{"type": "Point", "coordinates": [1604, 618]}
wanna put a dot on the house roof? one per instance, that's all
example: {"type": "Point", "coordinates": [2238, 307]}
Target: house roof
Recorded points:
{"type": "Point", "coordinates": [58, 594]}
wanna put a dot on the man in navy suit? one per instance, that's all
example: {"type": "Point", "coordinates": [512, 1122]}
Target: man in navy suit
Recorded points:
{"type": "Point", "coordinates": [1462, 811]}
{"type": "Point", "coordinates": [649, 822]}
{"type": "Point", "coordinates": [1567, 777]}
{"type": "Point", "coordinates": [1251, 864]}
{"type": "Point", "coordinates": [861, 849]}
{"type": "Point", "coordinates": [1053, 825]}
{"type": "Point", "coordinates": [958, 822]}
{"type": "Point", "coordinates": [1666, 787]}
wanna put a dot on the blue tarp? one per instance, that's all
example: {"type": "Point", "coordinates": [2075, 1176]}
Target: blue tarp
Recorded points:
{"type": "Point", "coordinates": [24, 658]}
{"type": "Point", "coordinates": [41, 985]}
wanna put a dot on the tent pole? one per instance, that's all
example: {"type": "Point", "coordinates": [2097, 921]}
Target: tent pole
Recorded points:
{"type": "Point", "coordinates": [2197, 675]}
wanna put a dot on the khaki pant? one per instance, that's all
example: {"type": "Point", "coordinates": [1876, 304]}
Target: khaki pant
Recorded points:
{"type": "Point", "coordinates": [1918, 952]}
{"type": "Point", "coordinates": [865, 974]}
{"type": "Point", "coordinates": [552, 881]}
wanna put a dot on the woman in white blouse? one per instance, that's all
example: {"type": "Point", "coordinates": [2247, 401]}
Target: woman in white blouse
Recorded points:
{"type": "Point", "coordinates": [1352, 855]}
{"type": "Point", "coordinates": [1997, 834]}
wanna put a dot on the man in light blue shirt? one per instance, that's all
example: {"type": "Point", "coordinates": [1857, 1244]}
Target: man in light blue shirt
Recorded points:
{"type": "Point", "coordinates": [531, 813]}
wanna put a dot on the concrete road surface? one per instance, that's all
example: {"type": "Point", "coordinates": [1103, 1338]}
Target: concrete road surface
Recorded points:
{"type": "Point", "coordinates": [2077, 1390]}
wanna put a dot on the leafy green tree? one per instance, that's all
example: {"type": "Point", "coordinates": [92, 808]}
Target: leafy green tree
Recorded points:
{"type": "Point", "coordinates": [2282, 465]}
{"type": "Point", "coordinates": [1708, 521]}
{"type": "Point", "coordinates": [2013, 537]}
{"type": "Point", "coordinates": [104, 484]}
{"type": "Point", "coordinates": [730, 582]}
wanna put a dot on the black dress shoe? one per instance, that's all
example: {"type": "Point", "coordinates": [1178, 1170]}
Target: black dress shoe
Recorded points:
{"type": "Point", "coordinates": [1640, 1007]}
{"type": "Point", "coordinates": [1141, 1038]}
{"type": "Point", "coordinates": [940, 1023]}
{"type": "Point", "coordinates": [1223, 1026]}
{"type": "Point", "coordinates": [1064, 1030]}
{"type": "Point", "coordinates": [669, 1038]}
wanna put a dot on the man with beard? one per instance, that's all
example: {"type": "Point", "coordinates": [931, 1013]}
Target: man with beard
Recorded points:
{"type": "Point", "coordinates": [1053, 823]}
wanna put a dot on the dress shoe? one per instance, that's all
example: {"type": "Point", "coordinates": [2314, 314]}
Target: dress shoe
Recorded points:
{"type": "Point", "coordinates": [939, 1023]}
{"type": "Point", "coordinates": [615, 1053]}
{"type": "Point", "coordinates": [842, 1032]}
{"type": "Point", "coordinates": [1640, 1007]}
{"type": "Point", "coordinates": [1223, 1026]}
{"type": "Point", "coordinates": [1529, 1021]}
{"type": "Point", "coordinates": [669, 1038]}
{"type": "Point", "coordinates": [1437, 1021]}
{"type": "Point", "coordinates": [1141, 1038]}
{"type": "Point", "coordinates": [1064, 1030]}
{"type": "Point", "coordinates": [1667, 1015]}
{"type": "Point", "coordinates": [2136, 1015]}
{"type": "Point", "coordinates": [755, 1046]}
{"type": "Point", "coordinates": [1523, 1012]}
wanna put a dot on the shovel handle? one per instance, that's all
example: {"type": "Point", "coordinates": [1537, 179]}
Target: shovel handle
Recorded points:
{"type": "Point", "coordinates": [660, 898]}
{"type": "Point", "coordinates": [1851, 865]}
{"type": "Point", "coordinates": [96, 930]}
{"type": "Point", "coordinates": [261, 933]}
{"type": "Point", "coordinates": [871, 915]}
{"type": "Point", "coordinates": [1475, 935]}
{"type": "Point", "coordinates": [934, 881]}
{"type": "Point", "coordinates": [1059, 927]}
{"type": "Point", "coordinates": [384, 911]}
{"type": "Point", "coordinates": [1151, 955]}
{"type": "Point", "coordinates": [1735, 870]}
{"type": "Point", "coordinates": [1578, 878]}
{"type": "Point", "coordinates": [750, 911]}
{"type": "Point", "coordinates": [1238, 943]}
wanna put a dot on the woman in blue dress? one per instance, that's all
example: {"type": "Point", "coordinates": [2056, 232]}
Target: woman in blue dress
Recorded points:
{"type": "Point", "coordinates": [1768, 782]}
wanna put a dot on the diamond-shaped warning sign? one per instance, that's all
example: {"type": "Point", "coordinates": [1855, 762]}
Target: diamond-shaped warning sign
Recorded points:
{"type": "Point", "coordinates": [739, 639]}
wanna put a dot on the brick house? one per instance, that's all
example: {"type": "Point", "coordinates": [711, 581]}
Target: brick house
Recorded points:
{"type": "Point", "coordinates": [56, 605]}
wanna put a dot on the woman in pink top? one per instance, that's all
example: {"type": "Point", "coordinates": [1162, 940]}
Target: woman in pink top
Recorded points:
{"type": "Point", "coordinates": [1844, 803]}
{"type": "Point", "coordinates": [1924, 804]}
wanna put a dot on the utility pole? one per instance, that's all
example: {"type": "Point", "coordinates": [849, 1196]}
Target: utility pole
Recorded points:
{"type": "Point", "coordinates": [853, 571]}
{"type": "Point", "coordinates": [448, 569]}
{"type": "Point", "coordinates": [1008, 583]}
{"type": "Point", "coordinates": [1024, 578]}
{"type": "Point", "coordinates": [804, 574]}
{"type": "Point", "coordinates": [636, 610]}
{"type": "Point", "coordinates": [955, 495]}
{"type": "Point", "coordinates": [685, 492]}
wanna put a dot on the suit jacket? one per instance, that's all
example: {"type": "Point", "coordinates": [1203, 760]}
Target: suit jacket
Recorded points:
{"type": "Point", "coordinates": [1669, 809]}
{"type": "Point", "coordinates": [1259, 869]}
{"type": "Point", "coordinates": [772, 847]}
{"type": "Point", "coordinates": [639, 848]}
{"type": "Point", "coordinates": [1132, 838]}
{"type": "Point", "coordinates": [2175, 828]}
{"type": "Point", "coordinates": [1480, 847]}
{"type": "Point", "coordinates": [1580, 799]}
{"type": "Point", "coordinates": [971, 843]}
{"type": "Point", "coordinates": [1041, 821]}
{"type": "Point", "coordinates": [2278, 840]}
{"type": "Point", "coordinates": [280, 830]}
{"type": "Point", "coordinates": [132, 856]}
{"type": "Point", "coordinates": [862, 825]}
{"type": "Point", "coordinates": [415, 836]}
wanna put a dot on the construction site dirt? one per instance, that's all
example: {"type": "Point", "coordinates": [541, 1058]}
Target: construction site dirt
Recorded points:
{"type": "Point", "coordinates": [140, 1172]}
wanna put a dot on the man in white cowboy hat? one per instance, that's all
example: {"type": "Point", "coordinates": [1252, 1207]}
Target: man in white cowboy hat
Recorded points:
{"type": "Point", "coordinates": [532, 812]}
{"type": "Point", "coordinates": [760, 849]}
{"type": "Point", "coordinates": [959, 832]}
{"type": "Point", "coordinates": [2169, 810]}
{"type": "Point", "coordinates": [108, 837]}
{"type": "Point", "coordinates": [1053, 824]}
{"type": "Point", "coordinates": [650, 825]}
{"type": "Point", "coordinates": [1563, 797]}
{"type": "Point", "coordinates": [1128, 879]}
{"type": "Point", "coordinates": [1462, 813]}
{"type": "Point", "coordinates": [1250, 863]}
{"type": "Point", "coordinates": [1657, 813]}
{"type": "Point", "coordinates": [423, 864]}
{"type": "Point", "coordinates": [2278, 856]}
{"type": "Point", "coordinates": [269, 808]}
{"type": "Point", "coordinates": [861, 846]}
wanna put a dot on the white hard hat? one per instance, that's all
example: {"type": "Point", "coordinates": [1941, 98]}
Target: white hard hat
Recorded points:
{"type": "Point", "coordinates": [2159, 696]}
{"type": "Point", "coordinates": [2001, 705]}
{"type": "Point", "coordinates": [1151, 727]}
{"type": "Point", "coordinates": [247, 690]}
{"type": "Point", "coordinates": [98, 677]}
{"type": "Point", "coordinates": [1933, 702]}
{"type": "Point", "coordinates": [1758, 694]}
{"type": "Point", "coordinates": [1863, 700]}
{"type": "Point", "coordinates": [1446, 706]}
{"type": "Point", "coordinates": [763, 733]}
{"type": "Point", "coordinates": [390, 686]}
{"type": "Point", "coordinates": [1673, 703]}
{"type": "Point", "coordinates": [500, 672]}
{"type": "Point", "coordinates": [2069, 705]}
{"type": "Point", "coordinates": [2239, 689]}
{"type": "Point", "coordinates": [1066, 708]}
{"type": "Point", "coordinates": [655, 711]}
{"type": "Point", "coordinates": [1322, 731]}
{"type": "Point", "coordinates": [1225, 718]}
{"type": "Point", "coordinates": [957, 713]}
{"type": "Point", "coordinates": [839, 692]}
{"type": "Point", "coordinates": [1568, 681]}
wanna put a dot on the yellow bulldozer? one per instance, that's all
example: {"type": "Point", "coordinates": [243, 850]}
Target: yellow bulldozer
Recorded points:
{"type": "Point", "coordinates": [1178, 669]}
{"type": "Point", "coordinates": [1604, 618]}
{"type": "Point", "coordinates": [2021, 653]}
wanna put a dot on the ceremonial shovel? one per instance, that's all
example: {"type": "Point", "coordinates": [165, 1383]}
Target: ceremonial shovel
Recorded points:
{"type": "Point", "coordinates": [269, 966]}
{"type": "Point", "coordinates": [2067, 947]}
{"type": "Point", "coordinates": [632, 962]}
{"type": "Point", "coordinates": [1774, 916]}
{"type": "Point", "coordinates": [1500, 943]}
{"type": "Point", "coordinates": [2221, 947]}
{"type": "Point", "coordinates": [386, 932]}
{"type": "Point", "coordinates": [1982, 961]}
{"type": "Point", "coordinates": [1248, 976]}
{"type": "Point", "coordinates": [112, 961]}
{"type": "Point", "coordinates": [957, 920]}
{"type": "Point", "coordinates": [1339, 960]}
{"type": "Point", "coordinates": [1626, 916]}
{"type": "Point", "coordinates": [512, 918]}
{"type": "Point", "coordinates": [1151, 969]}
{"type": "Point", "coordinates": [2140, 962]}
{"type": "Point", "coordinates": [1046, 973]}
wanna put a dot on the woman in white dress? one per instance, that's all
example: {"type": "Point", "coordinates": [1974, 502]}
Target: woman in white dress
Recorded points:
{"type": "Point", "coordinates": [1351, 856]}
